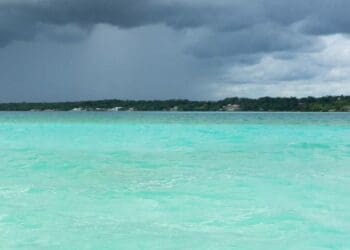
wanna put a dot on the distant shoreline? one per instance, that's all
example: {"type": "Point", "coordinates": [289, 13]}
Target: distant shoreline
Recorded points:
{"type": "Point", "coordinates": [161, 111]}
{"type": "Point", "coordinates": [233, 104]}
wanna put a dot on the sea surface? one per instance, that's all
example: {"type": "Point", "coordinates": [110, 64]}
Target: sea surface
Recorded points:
{"type": "Point", "coordinates": [129, 180]}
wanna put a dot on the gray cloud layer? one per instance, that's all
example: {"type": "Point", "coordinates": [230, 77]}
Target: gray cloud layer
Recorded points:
{"type": "Point", "coordinates": [259, 19]}
{"type": "Point", "coordinates": [219, 35]}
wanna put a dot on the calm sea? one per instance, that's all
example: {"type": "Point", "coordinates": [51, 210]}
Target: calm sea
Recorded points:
{"type": "Point", "coordinates": [174, 180]}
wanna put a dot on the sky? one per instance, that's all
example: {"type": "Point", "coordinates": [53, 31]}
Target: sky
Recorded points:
{"type": "Point", "coordinates": [66, 50]}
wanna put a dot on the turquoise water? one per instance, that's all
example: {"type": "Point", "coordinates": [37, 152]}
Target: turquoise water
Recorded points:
{"type": "Point", "coordinates": [174, 181]}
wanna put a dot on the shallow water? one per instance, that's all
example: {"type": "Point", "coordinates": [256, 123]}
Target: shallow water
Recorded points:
{"type": "Point", "coordinates": [174, 180]}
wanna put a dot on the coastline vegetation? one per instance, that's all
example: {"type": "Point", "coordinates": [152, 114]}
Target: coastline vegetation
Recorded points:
{"type": "Point", "coordinates": [307, 104]}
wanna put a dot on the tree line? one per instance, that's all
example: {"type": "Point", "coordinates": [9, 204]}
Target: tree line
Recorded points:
{"type": "Point", "coordinates": [317, 104]}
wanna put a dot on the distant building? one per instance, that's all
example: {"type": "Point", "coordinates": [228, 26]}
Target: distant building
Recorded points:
{"type": "Point", "coordinates": [100, 109]}
{"type": "Point", "coordinates": [77, 109]}
{"type": "Point", "coordinates": [232, 107]}
{"type": "Point", "coordinates": [115, 109]}
{"type": "Point", "coordinates": [175, 108]}
{"type": "Point", "coordinates": [347, 108]}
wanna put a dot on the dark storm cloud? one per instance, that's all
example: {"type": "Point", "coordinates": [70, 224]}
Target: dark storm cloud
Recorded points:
{"type": "Point", "coordinates": [93, 49]}
{"type": "Point", "coordinates": [22, 19]}
{"type": "Point", "coordinates": [314, 16]}
{"type": "Point", "coordinates": [261, 25]}
{"type": "Point", "coordinates": [127, 13]}
{"type": "Point", "coordinates": [259, 38]}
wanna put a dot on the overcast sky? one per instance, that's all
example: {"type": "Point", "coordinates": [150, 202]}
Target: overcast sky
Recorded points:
{"type": "Point", "coordinates": [56, 50]}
